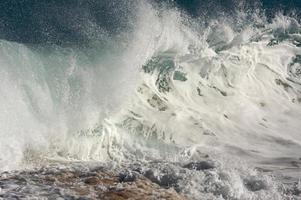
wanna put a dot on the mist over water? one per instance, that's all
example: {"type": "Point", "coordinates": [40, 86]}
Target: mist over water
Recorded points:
{"type": "Point", "coordinates": [156, 82]}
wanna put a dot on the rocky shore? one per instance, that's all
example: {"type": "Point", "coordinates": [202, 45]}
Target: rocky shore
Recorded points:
{"type": "Point", "coordinates": [76, 183]}
{"type": "Point", "coordinates": [195, 180]}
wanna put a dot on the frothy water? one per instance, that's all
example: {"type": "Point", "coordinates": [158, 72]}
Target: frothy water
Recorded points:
{"type": "Point", "coordinates": [174, 94]}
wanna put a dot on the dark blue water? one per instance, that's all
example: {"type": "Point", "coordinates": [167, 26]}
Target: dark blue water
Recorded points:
{"type": "Point", "coordinates": [66, 22]}
{"type": "Point", "coordinates": [61, 21]}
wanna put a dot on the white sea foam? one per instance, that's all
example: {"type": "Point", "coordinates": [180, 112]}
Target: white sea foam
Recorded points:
{"type": "Point", "coordinates": [231, 93]}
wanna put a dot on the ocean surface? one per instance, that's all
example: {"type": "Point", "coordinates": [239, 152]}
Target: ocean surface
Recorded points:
{"type": "Point", "coordinates": [206, 92]}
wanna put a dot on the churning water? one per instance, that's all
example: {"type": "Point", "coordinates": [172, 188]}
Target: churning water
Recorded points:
{"type": "Point", "coordinates": [216, 93]}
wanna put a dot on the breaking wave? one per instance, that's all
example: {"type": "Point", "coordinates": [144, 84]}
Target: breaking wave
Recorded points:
{"type": "Point", "coordinates": [175, 89]}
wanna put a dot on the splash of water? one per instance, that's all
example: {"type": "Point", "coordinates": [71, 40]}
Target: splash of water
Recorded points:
{"type": "Point", "coordinates": [225, 87]}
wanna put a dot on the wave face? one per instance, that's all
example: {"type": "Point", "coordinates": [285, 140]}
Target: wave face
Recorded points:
{"type": "Point", "coordinates": [169, 86]}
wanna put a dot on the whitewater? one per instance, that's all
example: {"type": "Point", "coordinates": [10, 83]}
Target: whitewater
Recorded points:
{"type": "Point", "coordinates": [213, 103]}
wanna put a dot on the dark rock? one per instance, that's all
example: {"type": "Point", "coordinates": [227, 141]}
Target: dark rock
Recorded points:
{"type": "Point", "coordinates": [127, 177]}
{"type": "Point", "coordinates": [168, 180]}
